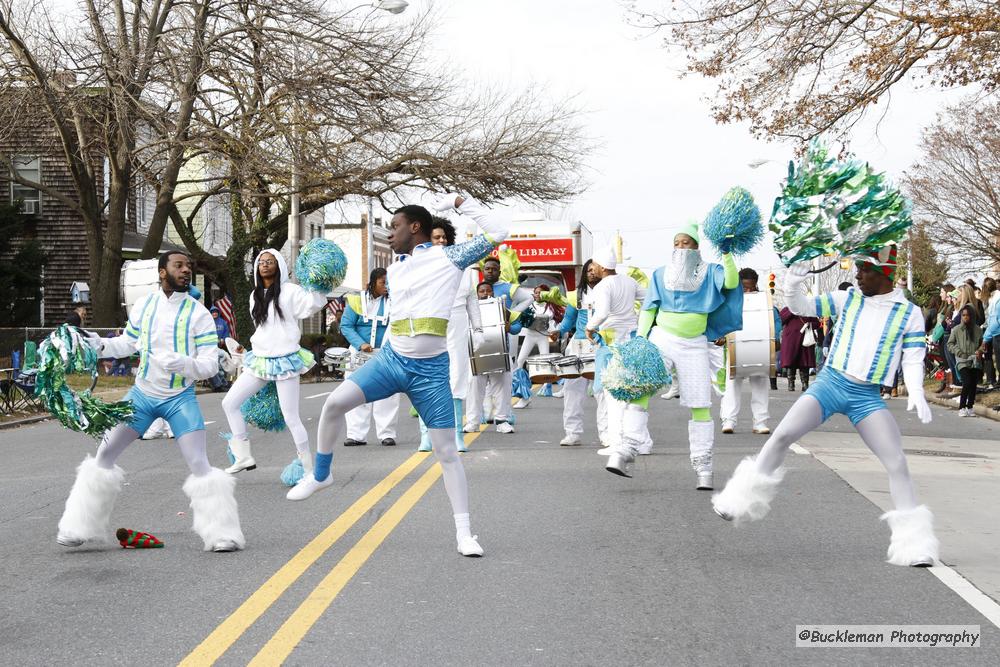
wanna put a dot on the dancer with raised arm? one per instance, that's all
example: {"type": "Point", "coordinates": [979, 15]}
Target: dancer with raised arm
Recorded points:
{"type": "Point", "coordinates": [422, 283]}
{"type": "Point", "coordinates": [175, 337]}
{"type": "Point", "coordinates": [276, 306]}
{"type": "Point", "coordinates": [877, 331]}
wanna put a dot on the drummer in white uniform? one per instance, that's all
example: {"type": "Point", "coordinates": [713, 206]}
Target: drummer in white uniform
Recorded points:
{"type": "Point", "coordinates": [364, 323]}
{"type": "Point", "coordinates": [759, 384]}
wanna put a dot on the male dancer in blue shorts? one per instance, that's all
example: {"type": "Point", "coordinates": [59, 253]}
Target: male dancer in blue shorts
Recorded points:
{"type": "Point", "coordinates": [176, 340]}
{"type": "Point", "coordinates": [422, 284]}
{"type": "Point", "coordinates": [877, 331]}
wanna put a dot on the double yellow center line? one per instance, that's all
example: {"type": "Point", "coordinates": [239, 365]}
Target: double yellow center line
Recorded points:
{"type": "Point", "coordinates": [278, 648]}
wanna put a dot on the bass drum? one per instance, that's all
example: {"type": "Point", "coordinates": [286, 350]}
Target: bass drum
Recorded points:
{"type": "Point", "coordinates": [139, 278]}
{"type": "Point", "coordinates": [751, 350]}
{"type": "Point", "coordinates": [493, 355]}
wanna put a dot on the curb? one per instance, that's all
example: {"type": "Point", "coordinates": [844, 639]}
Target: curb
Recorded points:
{"type": "Point", "coordinates": [980, 410]}
{"type": "Point", "coordinates": [25, 421]}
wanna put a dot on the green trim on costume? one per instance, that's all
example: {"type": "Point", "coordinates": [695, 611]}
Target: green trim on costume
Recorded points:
{"type": "Point", "coordinates": [701, 414]}
{"type": "Point", "coordinates": [683, 325]}
{"type": "Point", "coordinates": [889, 343]}
{"type": "Point", "coordinates": [850, 319]}
{"type": "Point", "coordinates": [641, 402]}
{"type": "Point", "coordinates": [434, 326]}
{"type": "Point", "coordinates": [354, 301]}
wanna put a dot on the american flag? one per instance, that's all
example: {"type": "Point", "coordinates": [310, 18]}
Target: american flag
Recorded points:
{"type": "Point", "coordinates": [225, 306]}
{"type": "Point", "coordinates": [336, 306]}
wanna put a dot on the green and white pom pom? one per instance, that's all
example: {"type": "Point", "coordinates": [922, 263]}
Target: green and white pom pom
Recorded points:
{"type": "Point", "coordinates": [66, 351]}
{"type": "Point", "coordinates": [636, 370]}
{"type": "Point", "coordinates": [830, 207]}
{"type": "Point", "coordinates": [321, 266]}
{"type": "Point", "coordinates": [263, 409]}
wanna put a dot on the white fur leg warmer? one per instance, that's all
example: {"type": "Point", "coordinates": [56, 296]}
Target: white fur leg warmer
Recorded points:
{"type": "Point", "coordinates": [87, 516]}
{"type": "Point", "coordinates": [748, 492]}
{"type": "Point", "coordinates": [913, 537]}
{"type": "Point", "coordinates": [213, 504]}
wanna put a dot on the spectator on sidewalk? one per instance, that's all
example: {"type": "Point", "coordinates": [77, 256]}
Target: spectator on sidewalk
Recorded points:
{"type": "Point", "coordinates": [965, 343]}
{"type": "Point", "coordinates": [991, 361]}
{"type": "Point", "coordinates": [799, 337]}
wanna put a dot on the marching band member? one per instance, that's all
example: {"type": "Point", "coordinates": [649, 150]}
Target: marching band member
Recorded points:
{"type": "Point", "coordinates": [364, 323]}
{"type": "Point", "coordinates": [536, 335]}
{"type": "Point", "coordinates": [496, 385]}
{"type": "Point", "coordinates": [614, 320]}
{"type": "Point", "coordinates": [574, 324]}
{"type": "Point", "coordinates": [464, 318]}
{"type": "Point", "coordinates": [759, 384]}
{"type": "Point", "coordinates": [276, 306]}
{"type": "Point", "coordinates": [877, 332]}
{"type": "Point", "coordinates": [423, 282]}
{"type": "Point", "coordinates": [175, 337]}
{"type": "Point", "coordinates": [689, 302]}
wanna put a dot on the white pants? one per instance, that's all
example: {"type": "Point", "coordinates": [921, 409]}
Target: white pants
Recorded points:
{"type": "Point", "coordinates": [386, 412]}
{"type": "Point", "coordinates": [759, 391]}
{"type": "Point", "coordinates": [574, 399]}
{"type": "Point", "coordinates": [497, 386]}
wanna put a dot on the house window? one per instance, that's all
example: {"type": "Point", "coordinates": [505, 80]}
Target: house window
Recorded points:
{"type": "Point", "coordinates": [31, 169]}
{"type": "Point", "coordinates": [141, 221]}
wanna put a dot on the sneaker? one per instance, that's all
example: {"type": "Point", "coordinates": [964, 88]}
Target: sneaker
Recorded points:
{"type": "Point", "coordinates": [389, 442]}
{"type": "Point", "coordinates": [673, 392]}
{"type": "Point", "coordinates": [225, 546]}
{"type": "Point", "coordinates": [761, 430]}
{"type": "Point", "coordinates": [505, 427]}
{"type": "Point", "coordinates": [969, 412]}
{"type": "Point", "coordinates": [558, 394]}
{"type": "Point", "coordinates": [470, 428]}
{"type": "Point", "coordinates": [350, 442]}
{"type": "Point", "coordinates": [728, 427]}
{"type": "Point", "coordinates": [522, 403]}
{"type": "Point", "coordinates": [645, 449]}
{"type": "Point", "coordinates": [308, 486]}
{"type": "Point", "coordinates": [606, 451]}
{"type": "Point", "coordinates": [469, 546]}
{"type": "Point", "coordinates": [570, 441]}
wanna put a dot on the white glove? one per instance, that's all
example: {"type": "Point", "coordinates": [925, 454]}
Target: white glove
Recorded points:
{"type": "Point", "coordinates": [445, 202]}
{"type": "Point", "coordinates": [798, 270]}
{"type": "Point", "coordinates": [478, 338]}
{"type": "Point", "coordinates": [94, 342]}
{"type": "Point", "coordinates": [173, 362]}
{"type": "Point", "coordinates": [918, 402]}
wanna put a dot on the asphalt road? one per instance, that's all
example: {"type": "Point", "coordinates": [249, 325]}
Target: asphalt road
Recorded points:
{"type": "Point", "coordinates": [581, 567]}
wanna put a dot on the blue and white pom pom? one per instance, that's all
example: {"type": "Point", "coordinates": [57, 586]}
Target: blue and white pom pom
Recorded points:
{"type": "Point", "coordinates": [321, 266]}
{"type": "Point", "coordinates": [263, 409]}
{"type": "Point", "coordinates": [292, 473]}
{"type": "Point", "coordinates": [737, 218]}
{"type": "Point", "coordinates": [636, 370]}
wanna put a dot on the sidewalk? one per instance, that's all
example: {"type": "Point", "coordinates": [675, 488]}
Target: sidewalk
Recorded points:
{"type": "Point", "coordinates": [958, 479]}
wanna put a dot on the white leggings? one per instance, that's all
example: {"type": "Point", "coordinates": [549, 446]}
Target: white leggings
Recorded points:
{"type": "Point", "coordinates": [246, 385]}
{"type": "Point", "coordinates": [879, 431]}
{"type": "Point", "coordinates": [117, 440]}
{"type": "Point", "coordinates": [332, 426]}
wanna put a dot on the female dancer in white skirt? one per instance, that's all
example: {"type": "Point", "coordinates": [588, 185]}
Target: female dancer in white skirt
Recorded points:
{"type": "Point", "coordinates": [276, 306]}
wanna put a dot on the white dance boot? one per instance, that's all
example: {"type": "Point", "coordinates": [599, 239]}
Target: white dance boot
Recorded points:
{"type": "Point", "coordinates": [241, 452]}
{"type": "Point", "coordinates": [87, 517]}
{"type": "Point", "coordinates": [215, 514]}
{"type": "Point", "coordinates": [748, 493]}
{"type": "Point", "coordinates": [913, 542]}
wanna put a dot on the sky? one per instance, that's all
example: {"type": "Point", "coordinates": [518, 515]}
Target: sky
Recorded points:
{"type": "Point", "coordinates": [662, 159]}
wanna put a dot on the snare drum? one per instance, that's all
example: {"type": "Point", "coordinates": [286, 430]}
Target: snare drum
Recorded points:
{"type": "Point", "coordinates": [568, 367]}
{"type": "Point", "coordinates": [542, 368]}
{"type": "Point", "coordinates": [588, 366]}
{"type": "Point", "coordinates": [359, 359]}
{"type": "Point", "coordinates": [336, 358]}
{"type": "Point", "coordinates": [751, 350]}
{"type": "Point", "coordinates": [493, 355]}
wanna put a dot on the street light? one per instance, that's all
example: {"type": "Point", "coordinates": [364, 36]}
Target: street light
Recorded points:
{"type": "Point", "coordinates": [294, 224]}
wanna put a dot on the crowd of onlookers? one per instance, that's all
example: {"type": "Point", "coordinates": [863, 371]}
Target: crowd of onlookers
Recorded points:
{"type": "Point", "coordinates": [963, 328]}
